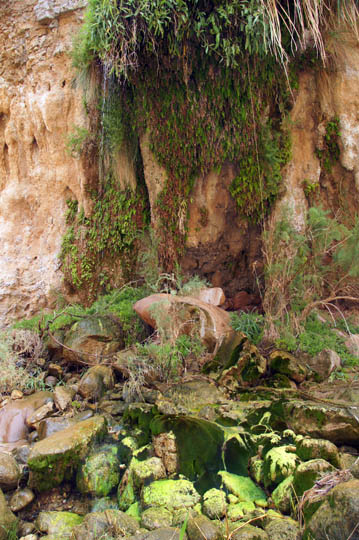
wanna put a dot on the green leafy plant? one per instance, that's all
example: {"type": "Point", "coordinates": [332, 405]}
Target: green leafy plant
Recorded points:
{"type": "Point", "coordinates": [77, 140]}
{"type": "Point", "coordinates": [250, 324]}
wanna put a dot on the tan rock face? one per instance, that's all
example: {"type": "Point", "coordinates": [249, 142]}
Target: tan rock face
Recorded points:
{"type": "Point", "coordinates": [38, 108]}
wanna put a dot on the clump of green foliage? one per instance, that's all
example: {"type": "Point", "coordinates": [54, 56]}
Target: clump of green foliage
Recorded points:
{"type": "Point", "coordinates": [316, 335]}
{"type": "Point", "coordinates": [78, 140]}
{"type": "Point", "coordinates": [110, 233]}
{"type": "Point", "coordinates": [307, 269]}
{"type": "Point", "coordinates": [330, 153]}
{"type": "Point", "coordinates": [118, 302]}
{"type": "Point", "coordinates": [251, 324]}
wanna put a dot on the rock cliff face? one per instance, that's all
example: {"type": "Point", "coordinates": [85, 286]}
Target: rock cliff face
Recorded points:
{"type": "Point", "coordinates": [39, 107]}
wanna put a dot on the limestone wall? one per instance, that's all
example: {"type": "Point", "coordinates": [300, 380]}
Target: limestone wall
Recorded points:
{"type": "Point", "coordinates": [38, 107]}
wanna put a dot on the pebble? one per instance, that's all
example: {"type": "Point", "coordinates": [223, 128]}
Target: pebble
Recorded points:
{"type": "Point", "coordinates": [21, 498]}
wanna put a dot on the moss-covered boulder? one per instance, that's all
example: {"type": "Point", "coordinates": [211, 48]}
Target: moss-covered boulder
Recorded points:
{"type": "Point", "coordinates": [256, 469]}
{"type": "Point", "coordinates": [279, 463]}
{"type": "Point", "coordinates": [165, 533]}
{"type": "Point", "coordinates": [318, 449]}
{"type": "Point", "coordinates": [8, 521]}
{"type": "Point", "coordinates": [214, 503]}
{"type": "Point", "coordinates": [93, 337]}
{"type": "Point", "coordinates": [239, 510]}
{"type": "Point", "coordinates": [337, 517]}
{"type": "Point", "coordinates": [172, 494]}
{"type": "Point", "coordinates": [113, 523]}
{"type": "Point", "coordinates": [250, 367]}
{"type": "Point", "coordinates": [58, 524]}
{"type": "Point", "coordinates": [322, 421]}
{"type": "Point", "coordinates": [146, 471]}
{"type": "Point", "coordinates": [244, 488]}
{"type": "Point", "coordinates": [308, 473]}
{"type": "Point", "coordinates": [56, 458]}
{"type": "Point", "coordinates": [248, 532]}
{"type": "Point", "coordinates": [283, 529]}
{"type": "Point", "coordinates": [283, 495]}
{"type": "Point", "coordinates": [100, 473]}
{"type": "Point", "coordinates": [155, 518]}
{"type": "Point", "coordinates": [285, 363]}
{"type": "Point", "coordinates": [202, 528]}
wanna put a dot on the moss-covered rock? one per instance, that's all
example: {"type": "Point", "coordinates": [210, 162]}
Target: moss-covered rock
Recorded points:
{"type": "Point", "coordinates": [238, 510]}
{"type": "Point", "coordinates": [256, 469]}
{"type": "Point", "coordinates": [111, 522]}
{"type": "Point", "coordinates": [321, 421]}
{"type": "Point", "coordinates": [244, 488]}
{"type": "Point", "coordinates": [308, 473]}
{"type": "Point", "coordinates": [93, 336]}
{"type": "Point", "coordinates": [283, 529]}
{"type": "Point", "coordinates": [55, 458]}
{"type": "Point", "coordinates": [58, 524]}
{"type": "Point", "coordinates": [285, 363]}
{"type": "Point", "coordinates": [279, 463]}
{"type": "Point", "coordinates": [337, 517]}
{"type": "Point", "coordinates": [318, 449]}
{"type": "Point", "coordinates": [105, 503]}
{"type": "Point", "coordinates": [165, 533]}
{"type": "Point", "coordinates": [147, 471]}
{"type": "Point", "coordinates": [248, 532]}
{"type": "Point", "coordinates": [248, 369]}
{"type": "Point", "coordinates": [155, 518]}
{"type": "Point", "coordinates": [100, 473]}
{"type": "Point", "coordinates": [202, 528]}
{"type": "Point", "coordinates": [283, 494]}
{"type": "Point", "coordinates": [172, 494]}
{"type": "Point", "coordinates": [126, 494]}
{"type": "Point", "coordinates": [214, 503]}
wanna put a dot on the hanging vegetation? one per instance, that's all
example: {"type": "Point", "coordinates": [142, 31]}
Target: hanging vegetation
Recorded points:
{"type": "Point", "coordinates": [210, 82]}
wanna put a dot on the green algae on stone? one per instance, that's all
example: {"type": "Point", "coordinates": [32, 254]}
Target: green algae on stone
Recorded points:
{"type": "Point", "coordinates": [283, 529]}
{"type": "Point", "coordinates": [283, 494]}
{"type": "Point", "coordinates": [56, 458]}
{"type": "Point", "coordinates": [126, 496]}
{"type": "Point", "coordinates": [249, 532]}
{"type": "Point", "coordinates": [134, 510]}
{"type": "Point", "coordinates": [237, 511]}
{"type": "Point", "coordinates": [244, 488]}
{"type": "Point", "coordinates": [147, 471]}
{"type": "Point", "coordinates": [156, 517]}
{"type": "Point", "coordinates": [97, 525]}
{"type": "Point", "coordinates": [172, 494]}
{"type": "Point", "coordinates": [256, 469]}
{"type": "Point", "coordinates": [308, 473]}
{"type": "Point", "coordinates": [285, 363]}
{"type": "Point", "coordinates": [318, 449]}
{"type": "Point", "coordinates": [279, 463]}
{"type": "Point", "coordinates": [337, 517]}
{"type": "Point", "coordinates": [214, 503]}
{"type": "Point", "coordinates": [100, 473]}
{"type": "Point", "coordinates": [58, 524]}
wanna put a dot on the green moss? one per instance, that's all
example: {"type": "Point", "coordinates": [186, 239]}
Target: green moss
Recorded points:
{"type": "Point", "coordinates": [172, 494]}
{"type": "Point", "coordinates": [244, 488]}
